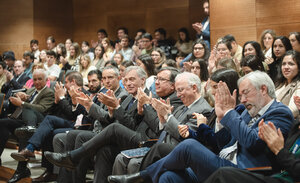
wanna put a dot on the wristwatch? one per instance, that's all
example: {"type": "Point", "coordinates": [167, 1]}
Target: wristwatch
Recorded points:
{"type": "Point", "coordinates": [23, 102]}
{"type": "Point", "coordinates": [61, 98]}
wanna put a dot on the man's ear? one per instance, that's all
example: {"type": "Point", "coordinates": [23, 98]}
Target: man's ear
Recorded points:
{"type": "Point", "coordinates": [264, 89]}
{"type": "Point", "coordinates": [195, 88]}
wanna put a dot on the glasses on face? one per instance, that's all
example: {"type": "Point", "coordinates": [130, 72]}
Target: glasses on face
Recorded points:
{"type": "Point", "coordinates": [159, 79]}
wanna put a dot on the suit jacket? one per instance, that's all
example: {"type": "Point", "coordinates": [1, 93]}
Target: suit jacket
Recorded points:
{"type": "Point", "coordinates": [42, 102]}
{"type": "Point", "coordinates": [206, 32]}
{"type": "Point", "coordinates": [251, 149]}
{"type": "Point", "coordinates": [15, 84]}
{"type": "Point", "coordinates": [150, 115]}
{"type": "Point", "coordinates": [100, 112]}
{"type": "Point", "coordinates": [171, 127]}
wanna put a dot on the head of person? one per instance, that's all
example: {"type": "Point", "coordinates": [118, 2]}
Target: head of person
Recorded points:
{"type": "Point", "coordinates": [37, 66]}
{"type": "Point", "coordinates": [125, 41]}
{"type": "Point", "coordinates": [101, 34]}
{"type": "Point", "coordinates": [251, 63]}
{"type": "Point", "coordinates": [199, 67]}
{"type": "Point", "coordinates": [61, 50]}
{"type": "Point", "coordinates": [227, 63]}
{"type": "Point", "coordinates": [179, 57]}
{"type": "Point", "coordinates": [253, 86]}
{"type": "Point", "coordinates": [266, 39]}
{"type": "Point", "coordinates": [200, 50]}
{"type": "Point", "coordinates": [39, 77]}
{"type": "Point", "coordinates": [188, 87]}
{"type": "Point", "coordinates": [75, 50]}
{"type": "Point", "coordinates": [50, 42]}
{"type": "Point", "coordinates": [160, 34]}
{"type": "Point", "coordinates": [223, 49]}
{"type": "Point", "coordinates": [68, 43]}
{"type": "Point", "coordinates": [106, 43]}
{"type": "Point", "coordinates": [280, 46]}
{"type": "Point", "coordinates": [118, 58]}
{"type": "Point", "coordinates": [139, 33]}
{"type": "Point", "coordinates": [230, 38]}
{"type": "Point", "coordinates": [253, 48]}
{"type": "Point", "coordinates": [290, 67]}
{"type": "Point", "coordinates": [9, 58]}
{"type": "Point", "coordinates": [51, 57]}
{"type": "Point", "coordinates": [110, 78]}
{"type": "Point", "coordinates": [206, 7]}
{"type": "Point", "coordinates": [165, 81]}
{"type": "Point", "coordinates": [229, 76]}
{"type": "Point", "coordinates": [34, 45]}
{"type": "Point", "coordinates": [28, 58]}
{"type": "Point", "coordinates": [183, 35]}
{"type": "Point", "coordinates": [135, 77]}
{"type": "Point", "coordinates": [85, 62]}
{"type": "Point", "coordinates": [146, 41]}
{"type": "Point", "coordinates": [43, 56]}
{"type": "Point", "coordinates": [18, 67]}
{"type": "Point", "coordinates": [2, 67]}
{"type": "Point", "coordinates": [94, 80]}
{"type": "Point", "coordinates": [99, 51]}
{"type": "Point", "coordinates": [73, 78]}
{"type": "Point", "coordinates": [146, 62]}
{"type": "Point", "coordinates": [158, 56]}
{"type": "Point", "coordinates": [295, 40]}
{"type": "Point", "coordinates": [121, 32]}
{"type": "Point", "coordinates": [85, 46]}
{"type": "Point", "coordinates": [123, 66]}
{"type": "Point", "coordinates": [111, 63]}
{"type": "Point", "coordinates": [170, 63]}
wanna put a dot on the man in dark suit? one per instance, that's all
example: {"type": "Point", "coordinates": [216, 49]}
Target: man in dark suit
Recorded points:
{"type": "Point", "coordinates": [245, 150]}
{"type": "Point", "coordinates": [75, 138]}
{"type": "Point", "coordinates": [31, 108]}
{"type": "Point", "coordinates": [165, 89]}
{"type": "Point", "coordinates": [14, 81]}
{"type": "Point", "coordinates": [126, 130]}
{"type": "Point", "coordinates": [66, 112]}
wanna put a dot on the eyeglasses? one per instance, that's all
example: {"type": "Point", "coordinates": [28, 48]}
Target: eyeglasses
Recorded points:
{"type": "Point", "coordinates": [159, 79]}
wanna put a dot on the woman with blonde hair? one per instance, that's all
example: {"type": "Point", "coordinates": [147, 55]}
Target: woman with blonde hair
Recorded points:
{"type": "Point", "coordinates": [266, 41]}
{"type": "Point", "coordinates": [74, 58]}
{"type": "Point", "coordinates": [108, 49]}
{"type": "Point", "coordinates": [85, 67]}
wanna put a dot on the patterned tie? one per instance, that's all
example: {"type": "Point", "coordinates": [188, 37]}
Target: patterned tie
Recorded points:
{"type": "Point", "coordinates": [32, 96]}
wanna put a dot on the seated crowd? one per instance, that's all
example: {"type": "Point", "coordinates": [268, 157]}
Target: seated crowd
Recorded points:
{"type": "Point", "coordinates": [224, 105]}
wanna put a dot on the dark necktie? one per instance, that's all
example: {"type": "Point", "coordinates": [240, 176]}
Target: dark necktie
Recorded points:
{"type": "Point", "coordinates": [32, 96]}
{"type": "Point", "coordinates": [131, 103]}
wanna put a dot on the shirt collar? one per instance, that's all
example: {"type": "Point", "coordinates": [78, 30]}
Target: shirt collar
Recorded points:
{"type": "Point", "coordinates": [265, 108]}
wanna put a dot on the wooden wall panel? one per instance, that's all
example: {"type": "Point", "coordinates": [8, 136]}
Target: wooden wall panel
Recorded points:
{"type": "Point", "coordinates": [52, 17]}
{"type": "Point", "coordinates": [16, 22]}
{"type": "Point", "coordinates": [233, 17]}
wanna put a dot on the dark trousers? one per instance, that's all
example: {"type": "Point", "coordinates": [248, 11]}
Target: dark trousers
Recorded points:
{"type": "Point", "coordinates": [190, 153]}
{"type": "Point", "coordinates": [235, 175]}
{"type": "Point", "coordinates": [42, 138]}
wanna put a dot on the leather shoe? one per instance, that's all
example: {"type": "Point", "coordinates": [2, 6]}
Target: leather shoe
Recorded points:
{"type": "Point", "coordinates": [45, 177]}
{"type": "Point", "coordinates": [18, 175]}
{"type": "Point", "coordinates": [25, 131]}
{"type": "Point", "coordinates": [24, 155]}
{"type": "Point", "coordinates": [60, 159]}
{"type": "Point", "coordinates": [132, 178]}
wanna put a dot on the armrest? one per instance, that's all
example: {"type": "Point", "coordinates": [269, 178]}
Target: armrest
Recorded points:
{"type": "Point", "coordinates": [265, 170]}
{"type": "Point", "coordinates": [148, 143]}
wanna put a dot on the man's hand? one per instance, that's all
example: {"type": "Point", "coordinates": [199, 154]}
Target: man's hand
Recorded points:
{"type": "Point", "coordinates": [109, 99]}
{"type": "Point", "coordinates": [22, 95]}
{"type": "Point", "coordinates": [143, 98]}
{"type": "Point", "coordinates": [85, 101]}
{"type": "Point", "coordinates": [273, 137]}
{"type": "Point", "coordinates": [224, 101]}
{"type": "Point", "coordinates": [200, 118]}
{"type": "Point", "coordinates": [184, 131]}
{"type": "Point", "coordinates": [16, 101]}
{"type": "Point", "coordinates": [163, 108]}
{"type": "Point", "coordinates": [59, 91]}
{"type": "Point", "coordinates": [197, 27]}
{"type": "Point", "coordinates": [9, 76]}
